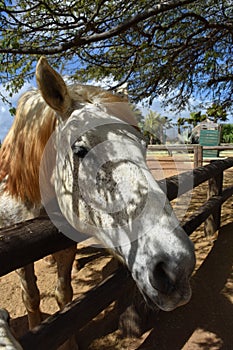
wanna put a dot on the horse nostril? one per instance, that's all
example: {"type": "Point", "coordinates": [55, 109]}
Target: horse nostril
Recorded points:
{"type": "Point", "coordinates": [160, 279]}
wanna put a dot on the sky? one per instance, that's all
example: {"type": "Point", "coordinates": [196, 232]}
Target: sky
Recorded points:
{"type": "Point", "coordinates": [6, 119]}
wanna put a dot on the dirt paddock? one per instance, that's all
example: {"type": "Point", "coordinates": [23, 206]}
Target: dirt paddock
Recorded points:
{"type": "Point", "coordinates": [206, 322]}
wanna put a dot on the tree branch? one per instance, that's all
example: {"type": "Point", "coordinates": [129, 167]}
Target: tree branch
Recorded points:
{"type": "Point", "coordinates": [220, 79]}
{"type": "Point", "coordinates": [79, 41]}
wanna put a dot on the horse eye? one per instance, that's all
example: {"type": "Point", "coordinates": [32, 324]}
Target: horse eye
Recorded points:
{"type": "Point", "coordinates": [79, 151]}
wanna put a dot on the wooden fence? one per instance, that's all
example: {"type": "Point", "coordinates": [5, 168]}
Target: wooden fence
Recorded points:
{"type": "Point", "coordinates": [34, 239]}
{"type": "Point", "coordinates": [197, 151]}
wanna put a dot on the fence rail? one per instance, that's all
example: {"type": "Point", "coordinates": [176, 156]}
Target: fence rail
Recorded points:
{"type": "Point", "coordinates": [197, 150]}
{"type": "Point", "coordinates": [34, 239]}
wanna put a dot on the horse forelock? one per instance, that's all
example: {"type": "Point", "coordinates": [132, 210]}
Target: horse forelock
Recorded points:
{"type": "Point", "coordinates": [114, 104]}
{"type": "Point", "coordinates": [93, 94]}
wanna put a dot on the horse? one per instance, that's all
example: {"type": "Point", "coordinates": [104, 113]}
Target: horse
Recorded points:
{"type": "Point", "coordinates": [95, 169]}
{"type": "Point", "coordinates": [7, 340]}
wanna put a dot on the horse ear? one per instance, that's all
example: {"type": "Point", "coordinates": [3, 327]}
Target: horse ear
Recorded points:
{"type": "Point", "coordinates": [52, 87]}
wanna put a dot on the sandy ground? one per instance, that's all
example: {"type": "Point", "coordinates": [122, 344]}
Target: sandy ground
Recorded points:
{"type": "Point", "coordinates": [205, 323]}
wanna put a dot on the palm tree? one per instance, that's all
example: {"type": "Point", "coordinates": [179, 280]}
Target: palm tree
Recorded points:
{"type": "Point", "coordinates": [217, 113]}
{"type": "Point", "coordinates": [196, 118]}
{"type": "Point", "coordinates": [180, 122]}
{"type": "Point", "coordinates": [154, 126]}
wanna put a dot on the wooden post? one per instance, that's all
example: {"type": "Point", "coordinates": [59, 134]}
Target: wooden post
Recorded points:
{"type": "Point", "coordinates": [212, 224]}
{"type": "Point", "coordinates": [198, 156]}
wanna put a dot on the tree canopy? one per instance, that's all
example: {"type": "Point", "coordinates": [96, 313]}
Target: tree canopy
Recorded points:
{"type": "Point", "coordinates": [227, 133]}
{"type": "Point", "coordinates": [173, 48]}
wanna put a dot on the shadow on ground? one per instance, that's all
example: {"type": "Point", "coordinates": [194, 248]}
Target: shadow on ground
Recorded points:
{"type": "Point", "coordinates": [207, 321]}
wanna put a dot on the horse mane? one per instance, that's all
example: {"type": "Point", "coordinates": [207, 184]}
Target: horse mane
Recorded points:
{"type": "Point", "coordinates": [22, 149]}
{"type": "Point", "coordinates": [34, 122]}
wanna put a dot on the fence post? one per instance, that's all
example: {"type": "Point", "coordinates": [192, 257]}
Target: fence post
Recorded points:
{"type": "Point", "coordinates": [198, 156]}
{"type": "Point", "coordinates": [212, 224]}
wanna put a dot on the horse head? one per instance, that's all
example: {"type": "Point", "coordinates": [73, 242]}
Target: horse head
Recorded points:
{"type": "Point", "coordinates": [104, 187]}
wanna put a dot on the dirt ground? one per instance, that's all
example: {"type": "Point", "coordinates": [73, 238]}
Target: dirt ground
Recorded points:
{"type": "Point", "coordinates": [206, 322]}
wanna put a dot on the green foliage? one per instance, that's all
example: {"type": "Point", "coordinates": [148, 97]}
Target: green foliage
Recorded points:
{"type": "Point", "coordinates": [12, 110]}
{"type": "Point", "coordinates": [196, 118]}
{"type": "Point", "coordinates": [153, 127]}
{"type": "Point", "coordinates": [227, 133]}
{"type": "Point", "coordinates": [175, 48]}
{"type": "Point", "coordinates": [216, 113]}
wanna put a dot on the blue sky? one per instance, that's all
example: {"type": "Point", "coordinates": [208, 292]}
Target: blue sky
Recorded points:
{"type": "Point", "coordinates": [5, 117]}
